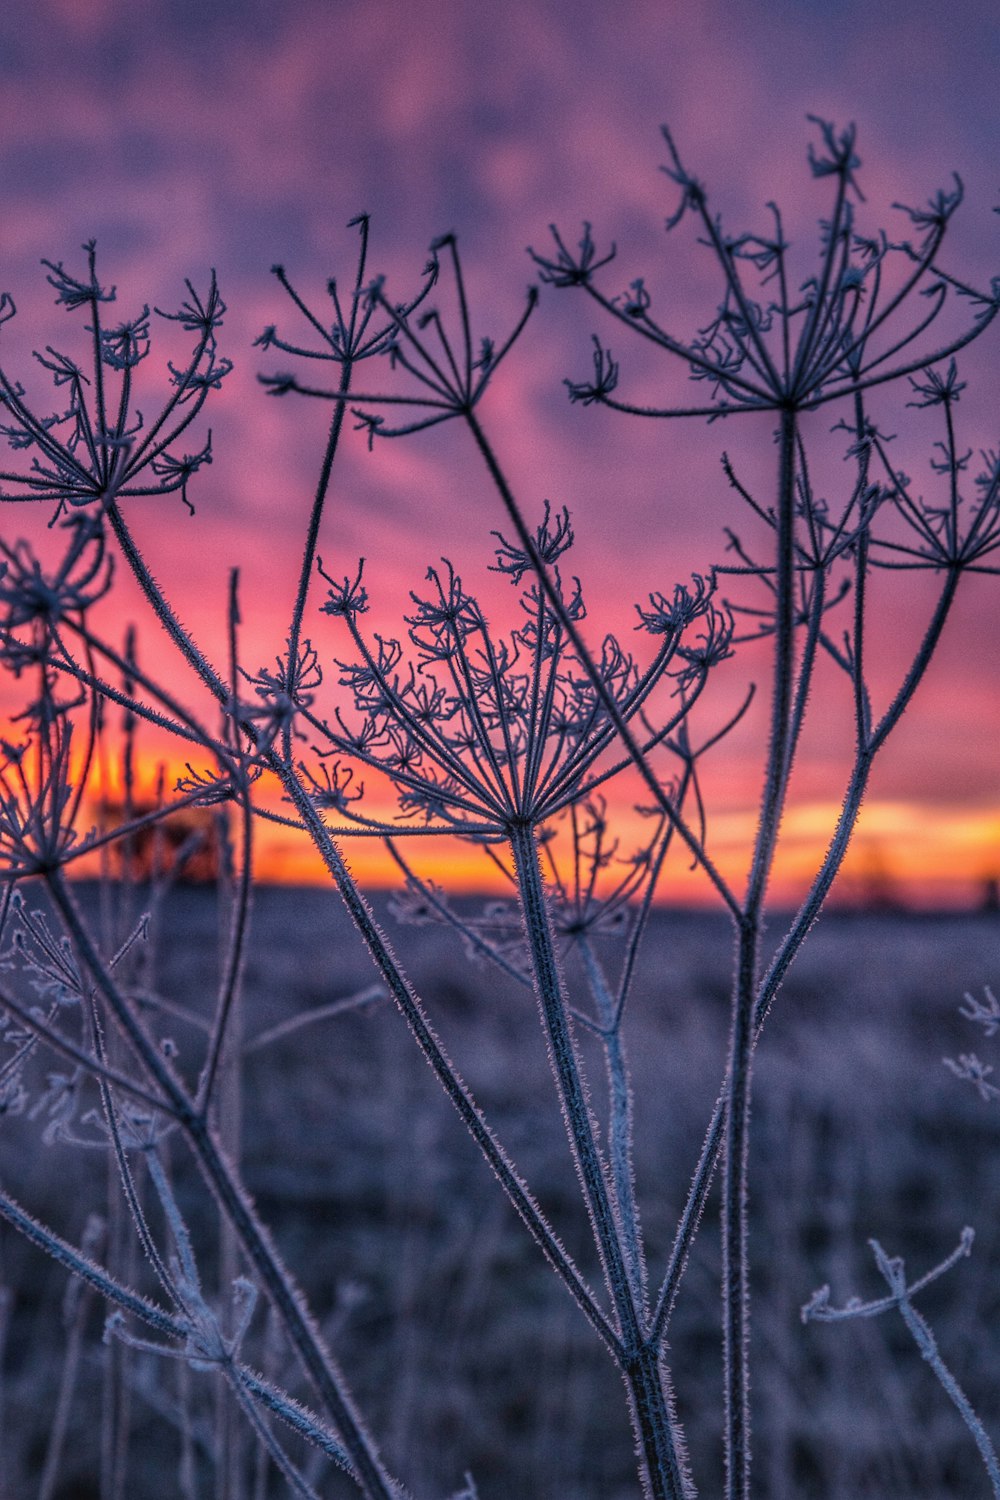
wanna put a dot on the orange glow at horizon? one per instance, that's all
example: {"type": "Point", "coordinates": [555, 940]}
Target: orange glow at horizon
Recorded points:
{"type": "Point", "coordinates": [497, 124]}
{"type": "Point", "coordinates": [903, 851]}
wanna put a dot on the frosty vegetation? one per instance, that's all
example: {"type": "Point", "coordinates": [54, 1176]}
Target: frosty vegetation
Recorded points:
{"type": "Point", "coordinates": [521, 742]}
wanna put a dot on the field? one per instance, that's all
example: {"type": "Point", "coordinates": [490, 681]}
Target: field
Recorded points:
{"type": "Point", "coordinates": [460, 1345]}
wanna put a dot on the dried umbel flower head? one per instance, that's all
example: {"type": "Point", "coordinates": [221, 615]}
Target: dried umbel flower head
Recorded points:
{"type": "Point", "coordinates": [31, 594]}
{"type": "Point", "coordinates": [449, 371]}
{"type": "Point", "coordinates": [97, 448]}
{"type": "Point", "coordinates": [480, 733]}
{"type": "Point", "coordinates": [858, 321]}
{"type": "Point", "coordinates": [38, 804]}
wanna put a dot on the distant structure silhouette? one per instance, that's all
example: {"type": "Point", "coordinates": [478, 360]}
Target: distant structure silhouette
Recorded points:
{"type": "Point", "coordinates": [188, 846]}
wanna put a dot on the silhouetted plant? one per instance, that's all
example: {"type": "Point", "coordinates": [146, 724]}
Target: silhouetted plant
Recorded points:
{"type": "Point", "coordinates": [508, 741]}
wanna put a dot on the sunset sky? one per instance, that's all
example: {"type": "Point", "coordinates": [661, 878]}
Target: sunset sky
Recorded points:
{"type": "Point", "coordinates": [186, 134]}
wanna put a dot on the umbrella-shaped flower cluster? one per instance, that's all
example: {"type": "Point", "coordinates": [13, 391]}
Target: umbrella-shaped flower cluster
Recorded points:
{"type": "Point", "coordinates": [480, 734]}
{"type": "Point", "coordinates": [98, 448]}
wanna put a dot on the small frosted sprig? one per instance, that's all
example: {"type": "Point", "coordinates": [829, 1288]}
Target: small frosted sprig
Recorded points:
{"type": "Point", "coordinates": [819, 1308]}
{"type": "Point", "coordinates": [604, 382]}
{"type": "Point", "coordinates": [985, 1013]}
{"type": "Point", "coordinates": [346, 598]}
{"type": "Point", "coordinates": [177, 469]}
{"type": "Point", "coordinates": [552, 538]}
{"type": "Point", "coordinates": [61, 1102]}
{"type": "Point", "coordinates": [37, 803]}
{"type": "Point", "coordinates": [836, 156]}
{"type": "Point", "coordinates": [201, 315]}
{"type": "Point", "coordinates": [81, 1265]}
{"type": "Point", "coordinates": [692, 191]}
{"type": "Point", "coordinates": [283, 694]}
{"type": "Point", "coordinates": [893, 1268]}
{"type": "Point", "coordinates": [712, 644]}
{"type": "Point", "coordinates": [934, 389]}
{"type": "Point", "coordinates": [666, 616]}
{"type": "Point", "coordinates": [567, 268]}
{"type": "Point", "coordinates": [354, 333]}
{"type": "Point", "coordinates": [72, 291]}
{"type": "Point", "coordinates": [592, 884]}
{"type": "Point", "coordinates": [30, 593]}
{"type": "Point", "coordinates": [208, 788]}
{"type": "Point", "coordinates": [933, 217]}
{"type": "Point", "coordinates": [972, 1069]}
{"type": "Point", "coordinates": [953, 529]}
{"type": "Point", "coordinates": [969, 1067]}
{"type": "Point", "coordinates": [127, 345]}
{"type": "Point", "coordinates": [333, 788]}
{"type": "Point", "coordinates": [206, 1346]}
{"type": "Point", "coordinates": [48, 959]}
{"type": "Point", "coordinates": [447, 617]}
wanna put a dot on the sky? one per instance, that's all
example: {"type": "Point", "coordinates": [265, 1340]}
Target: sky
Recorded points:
{"type": "Point", "coordinates": [189, 134]}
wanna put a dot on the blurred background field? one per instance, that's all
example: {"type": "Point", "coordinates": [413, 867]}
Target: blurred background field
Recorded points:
{"type": "Point", "coordinates": [461, 1347]}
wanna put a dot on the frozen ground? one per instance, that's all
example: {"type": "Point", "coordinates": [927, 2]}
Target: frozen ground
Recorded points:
{"type": "Point", "coordinates": [460, 1345]}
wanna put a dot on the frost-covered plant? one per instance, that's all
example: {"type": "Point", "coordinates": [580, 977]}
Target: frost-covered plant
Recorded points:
{"type": "Point", "coordinates": [970, 1068]}
{"type": "Point", "coordinates": [100, 450]}
{"type": "Point", "coordinates": [901, 1293]}
{"type": "Point", "coordinates": [968, 1065]}
{"type": "Point", "coordinates": [483, 736]}
{"type": "Point", "coordinates": [492, 739]}
{"type": "Point", "coordinates": [505, 740]}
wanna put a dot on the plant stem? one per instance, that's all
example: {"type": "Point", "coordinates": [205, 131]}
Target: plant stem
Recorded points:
{"type": "Point", "coordinates": [656, 1437]}
{"type": "Point", "coordinates": [590, 667]}
{"type": "Point", "coordinates": [316, 514]}
{"type": "Point", "coordinates": [318, 1362]}
{"type": "Point", "coordinates": [735, 1270]}
{"type": "Point", "coordinates": [453, 1085]}
{"type": "Point", "coordinates": [792, 942]}
{"type": "Point", "coordinates": [619, 1116]}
